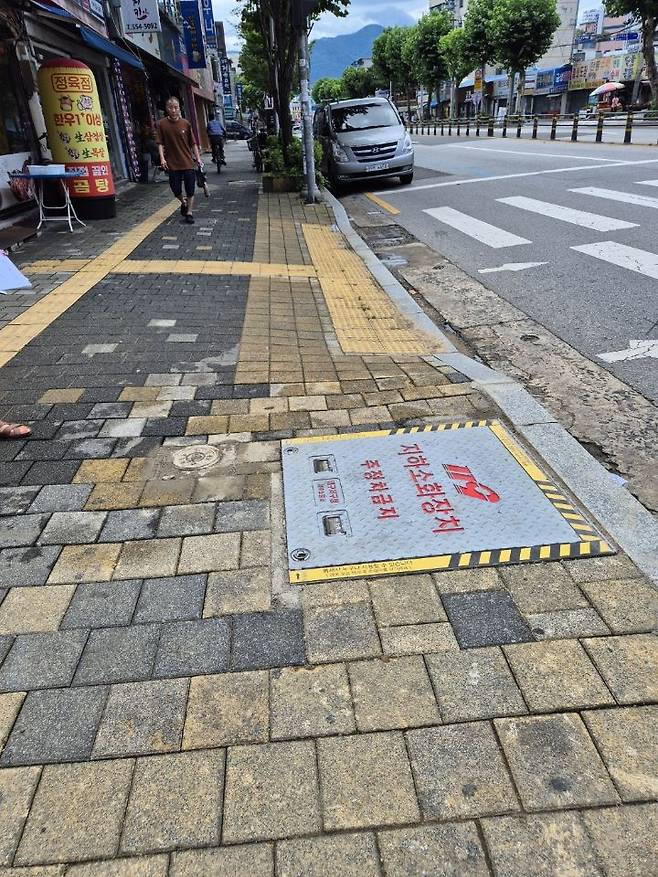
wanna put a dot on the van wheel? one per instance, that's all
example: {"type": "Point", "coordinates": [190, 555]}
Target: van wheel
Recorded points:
{"type": "Point", "coordinates": [405, 179]}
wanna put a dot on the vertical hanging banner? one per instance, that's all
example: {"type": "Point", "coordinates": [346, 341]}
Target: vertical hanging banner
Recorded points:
{"type": "Point", "coordinates": [76, 135]}
{"type": "Point", "coordinates": [140, 16]}
{"type": "Point", "coordinates": [196, 55]}
{"type": "Point", "coordinates": [209, 24]}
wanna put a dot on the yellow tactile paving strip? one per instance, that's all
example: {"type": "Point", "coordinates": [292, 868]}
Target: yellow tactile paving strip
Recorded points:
{"type": "Point", "coordinates": [15, 335]}
{"type": "Point", "coordinates": [184, 266]}
{"type": "Point", "coordinates": [364, 317]}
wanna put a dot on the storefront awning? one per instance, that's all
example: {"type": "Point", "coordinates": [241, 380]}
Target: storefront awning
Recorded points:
{"type": "Point", "coordinates": [90, 37]}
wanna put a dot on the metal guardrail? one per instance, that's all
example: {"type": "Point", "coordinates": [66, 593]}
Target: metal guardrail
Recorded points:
{"type": "Point", "coordinates": [573, 123]}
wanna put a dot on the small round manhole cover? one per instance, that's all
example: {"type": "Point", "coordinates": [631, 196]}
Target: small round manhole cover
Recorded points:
{"type": "Point", "coordinates": [196, 457]}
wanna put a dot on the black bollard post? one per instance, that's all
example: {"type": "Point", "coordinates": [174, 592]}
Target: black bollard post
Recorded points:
{"type": "Point", "coordinates": [503, 133]}
{"type": "Point", "coordinates": [629, 128]}
{"type": "Point", "coordinates": [574, 128]}
{"type": "Point", "coordinates": [519, 125]}
{"type": "Point", "coordinates": [553, 127]}
{"type": "Point", "coordinates": [535, 125]}
{"type": "Point", "coordinates": [599, 129]}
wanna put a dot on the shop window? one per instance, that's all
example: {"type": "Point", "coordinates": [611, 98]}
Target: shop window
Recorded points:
{"type": "Point", "coordinates": [15, 132]}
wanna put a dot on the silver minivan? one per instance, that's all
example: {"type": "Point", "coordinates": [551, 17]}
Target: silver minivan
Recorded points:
{"type": "Point", "coordinates": [362, 140]}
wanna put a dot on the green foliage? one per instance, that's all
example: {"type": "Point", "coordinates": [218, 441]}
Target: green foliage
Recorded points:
{"type": "Point", "coordinates": [522, 30]}
{"type": "Point", "coordinates": [390, 61]}
{"type": "Point", "coordinates": [277, 164]}
{"type": "Point", "coordinates": [327, 89]}
{"type": "Point", "coordinates": [422, 52]}
{"type": "Point", "coordinates": [357, 82]}
{"type": "Point", "coordinates": [646, 11]}
{"type": "Point", "coordinates": [477, 31]}
{"type": "Point", "coordinates": [455, 51]}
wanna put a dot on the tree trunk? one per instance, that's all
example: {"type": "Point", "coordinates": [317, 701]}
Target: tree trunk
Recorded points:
{"type": "Point", "coordinates": [510, 91]}
{"type": "Point", "coordinates": [649, 24]}
{"type": "Point", "coordinates": [453, 98]}
{"type": "Point", "coordinates": [519, 93]}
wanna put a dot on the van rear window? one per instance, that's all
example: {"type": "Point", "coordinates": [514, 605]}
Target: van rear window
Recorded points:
{"type": "Point", "coordinates": [356, 118]}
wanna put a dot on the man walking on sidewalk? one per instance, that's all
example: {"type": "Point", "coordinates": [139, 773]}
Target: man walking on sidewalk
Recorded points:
{"type": "Point", "coordinates": [178, 152]}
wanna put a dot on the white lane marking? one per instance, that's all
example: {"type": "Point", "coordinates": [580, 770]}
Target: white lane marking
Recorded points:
{"type": "Point", "coordinates": [511, 266]}
{"type": "Point", "coordinates": [567, 214]}
{"type": "Point", "coordinates": [406, 190]}
{"type": "Point", "coordinates": [493, 237]}
{"type": "Point", "coordinates": [647, 182]}
{"type": "Point", "coordinates": [614, 195]}
{"type": "Point", "coordinates": [541, 154]}
{"type": "Point", "coordinates": [631, 258]}
{"type": "Point", "coordinates": [635, 350]}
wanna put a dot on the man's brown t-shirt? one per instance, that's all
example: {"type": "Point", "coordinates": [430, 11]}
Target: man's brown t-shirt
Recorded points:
{"type": "Point", "coordinates": [178, 139]}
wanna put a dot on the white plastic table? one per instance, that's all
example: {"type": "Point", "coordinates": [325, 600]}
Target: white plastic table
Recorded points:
{"type": "Point", "coordinates": [37, 184]}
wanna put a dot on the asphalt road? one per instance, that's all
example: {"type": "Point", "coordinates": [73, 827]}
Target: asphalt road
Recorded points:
{"type": "Point", "coordinates": [596, 286]}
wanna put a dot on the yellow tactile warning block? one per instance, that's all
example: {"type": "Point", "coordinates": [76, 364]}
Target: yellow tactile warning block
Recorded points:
{"type": "Point", "coordinates": [183, 266]}
{"type": "Point", "coordinates": [364, 317]}
{"type": "Point", "coordinates": [15, 335]}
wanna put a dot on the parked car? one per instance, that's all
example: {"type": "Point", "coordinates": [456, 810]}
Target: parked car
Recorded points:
{"type": "Point", "coordinates": [237, 131]}
{"type": "Point", "coordinates": [363, 140]}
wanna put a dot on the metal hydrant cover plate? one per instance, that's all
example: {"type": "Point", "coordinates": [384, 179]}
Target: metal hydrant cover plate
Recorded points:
{"type": "Point", "coordinates": [447, 496]}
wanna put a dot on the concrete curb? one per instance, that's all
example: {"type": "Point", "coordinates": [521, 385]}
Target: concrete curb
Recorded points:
{"type": "Point", "coordinates": [628, 523]}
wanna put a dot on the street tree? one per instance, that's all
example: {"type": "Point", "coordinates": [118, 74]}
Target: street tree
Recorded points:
{"type": "Point", "coordinates": [458, 63]}
{"type": "Point", "coordinates": [477, 31]}
{"type": "Point", "coordinates": [521, 32]}
{"type": "Point", "coordinates": [357, 82]}
{"type": "Point", "coordinates": [422, 53]}
{"type": "Point", "coordinates": [274, 21]}
{"type": "Point", "coordinates": [646, 13]}
{"type": "Point", "coordinates": [391, 64]}
{"type": "Point", "coordinates": [327, 89]}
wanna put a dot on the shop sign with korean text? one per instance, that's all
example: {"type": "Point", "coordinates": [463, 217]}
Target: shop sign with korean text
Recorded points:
{"type": "Point", "coordinates": [193, 32]}
{"type": "Point", "coordinates": [140, 16]}
{"type": "Point", "coordinates": [209, 24]}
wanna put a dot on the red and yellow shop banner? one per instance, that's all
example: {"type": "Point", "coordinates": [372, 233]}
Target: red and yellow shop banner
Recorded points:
{"type": "Point", "coordinates": [76, 134]}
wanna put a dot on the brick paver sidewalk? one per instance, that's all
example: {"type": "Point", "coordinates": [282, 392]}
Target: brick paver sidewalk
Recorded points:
{"type": "Point", "coordinates": [169, 704]}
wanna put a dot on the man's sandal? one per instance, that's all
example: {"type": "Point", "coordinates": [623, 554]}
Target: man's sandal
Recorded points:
{"type": "Point", "coordinates": [14, 430]}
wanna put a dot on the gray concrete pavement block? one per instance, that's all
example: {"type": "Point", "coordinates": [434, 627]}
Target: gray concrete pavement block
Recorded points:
{"type": "Point", "coordinates": [55, 725]}
{"type": "Point", "coordinates": [542, 587]}
{"type": "Point", "coordinates": [187, 520]}
{"type": "Point", "coordinates": [42, 660]}
{"type": "Point", "coordinates": [365, 781]}
{"type": "Point", "coordinates": [460, 772]}
{"type": "Point", "coordinates": [227, 709]}
{"type": "Point", "coordinates": [311, 702]}
{"type": "Point", "coordinates": [392, 693]}
{"type": "Point", "coordinates": [267, 639]}
{"type": "Point", "coordinates": [406, 600]}
{"type": "Point", "coordinates": [102, 604]}
{"type": "Point", "coordinates": [148, 558]}
{"type": "Point", "coordinates": [142, 866]}
{"type": "Point", "coordinates": [177, 598]}
{"type": "Point", "coordinates": [20, 530]}
{"type": "Point", "coordinates": [627, 664]}
{"type": "Point", "coordinates": [217, 551]}
{"type": "Point", "coordinates": [238, 591]}
{"type": "Point", "coordinates": [554, 762]}
{"type": "Point", "coordinates": [27, 566]}
{"type": "Point", "coordinates": [336, 633]}
{"type": "Point", "coordinates": [624, 838]}
{"type": "Point", "coordinates": [556, 675]}
{"type": "Point", "coordinates": [271, 792]}
{"type": "Point", "coordinates": [16, 500]}
{"type": "Point", "coordinates": [256, 860]}
{"type": "Point", "coordinates": [17, 787]}
{"type": "Point", "coordinates": [474, 684]}
{"type": "Point", "coordinates": [61, 498]}
{"type": "Point", "coordinates": [118, 654]}
{"type": "Point", "coordinates": [341, 855]}
{"type": "Point", "coordinates": [452, 849]}
{"type": "Point", "coordinates": [627, 739]}
{"type": "Point", "coordinates": [130, 524]}
{"type": "Point", "coordinates": [190, 648]}
{"type": "Point", "coordinates": [418, 639]}
{"type": "Point", "coordinates": [542, 845]}
{"type": "Point", "coordinates": [66, 528]}
{"type": "Point", "coordinates": [626, 605]}
{"type": "Point", "coordinates": [462, 581]}
{"type": "Point", "coordinates": [141, 718]}
{"type": "Point", "coordinates": [486, 618]}
{"type": "Point", "coordinates": [570, 624]}
{"type": "Point", "coordinates": [233, 517]}
{"type": "Point", "coordinates": [77, 812]}
{"type": "Point", "coordinates": [175, 802]}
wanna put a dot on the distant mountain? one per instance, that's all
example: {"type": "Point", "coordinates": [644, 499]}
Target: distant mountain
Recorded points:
{"type": "Point", "coordinates": [331, 55]}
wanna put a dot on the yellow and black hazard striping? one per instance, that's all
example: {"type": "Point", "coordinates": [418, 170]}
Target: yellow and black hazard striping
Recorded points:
{"type": "Point", "coordinates": [588, 543]}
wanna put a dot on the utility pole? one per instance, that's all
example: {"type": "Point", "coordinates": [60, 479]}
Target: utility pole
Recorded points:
{"type": "Point", "coordinates": [301, 11]}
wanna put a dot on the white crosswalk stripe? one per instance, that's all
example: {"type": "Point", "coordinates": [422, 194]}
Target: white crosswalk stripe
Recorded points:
{"type": "Point", "coordinates": [567, 214]}
{"type": "Point", "coordinates": [613, 195]}
{"type": "Point", "coordinates": [491, 235]}
{"type": "Point", "coordinates": [640, 261]}
{"type": "Point", "coordinates": [647, 182]}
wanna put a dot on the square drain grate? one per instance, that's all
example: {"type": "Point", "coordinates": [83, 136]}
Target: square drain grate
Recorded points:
{"type": "Point", "coordinates": [448, 496]}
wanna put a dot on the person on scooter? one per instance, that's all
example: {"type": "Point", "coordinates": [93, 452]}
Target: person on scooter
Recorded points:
{"type": "Point", "coordinates": [216, 133]}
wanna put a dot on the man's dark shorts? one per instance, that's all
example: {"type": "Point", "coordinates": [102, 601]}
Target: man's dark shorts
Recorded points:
{"type": "Point", "coordinates": [179, 178]}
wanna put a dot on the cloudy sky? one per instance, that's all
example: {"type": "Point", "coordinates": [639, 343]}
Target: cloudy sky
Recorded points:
{"type": "Point", "coordinates": [361, 12]}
